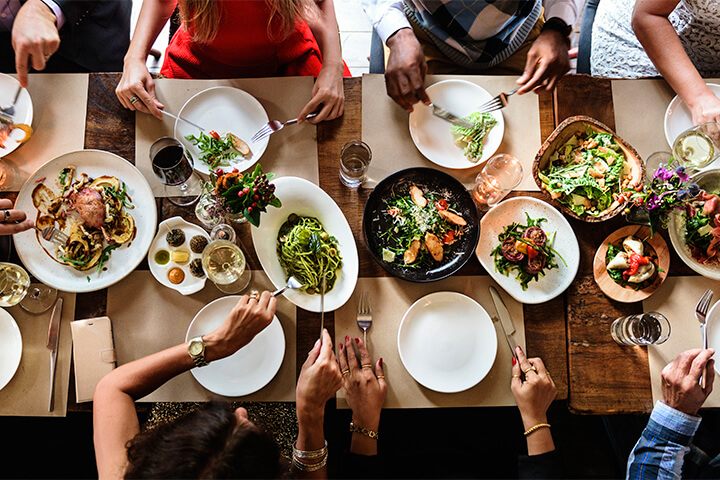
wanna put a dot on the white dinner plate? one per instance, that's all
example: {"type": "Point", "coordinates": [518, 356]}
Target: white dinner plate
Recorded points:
{"type": "Point", "coordinates": [190, 284]}
{"type": "Point", "coordinates": [247, 370]}
{"type": "Point", "coordinates": [223, 109]}
{"type": "Point", "coordinates": [306, 199]}
{"type": "Point", "coordinates": [678, 117]}
{"type": "Point", "coordinates": [713, 331]}
{"type": "Point", "coordinates": [10, 347]}
{"type": "Point", "coordinates": [124, 259]}
{"type": "Point", "coordinates": [447, 342]}
{"type": "Point", "coordinates": [432, 135]}
{"type": "Point", "coordinates": [556, 280]}
{"type": "Point", "coordinates": [23, 110]}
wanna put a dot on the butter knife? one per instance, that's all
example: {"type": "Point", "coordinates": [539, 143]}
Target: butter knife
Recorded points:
{"type": "Point", "coordinates": [440, 112]}
{"type": "Point", "coordinates": [52, 343]}
{"type": "Point", "coordinates": [505, 320]}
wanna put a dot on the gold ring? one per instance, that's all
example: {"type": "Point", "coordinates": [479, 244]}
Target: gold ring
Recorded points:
{"type": "Point", "coordinates": [380, 376]}
{"type": "Point", "coordinates": [531, 368]}
{"type": "Point", "coordinates": [133, 100]}
{"type": "Point", "coordinates": [346, 371]}
{"type": "Point", "coordinates": [516, 376]}
{"type": "Point", "coordinates": [547, 372]}
{"type": "Point", "coordinates": [367, 365]}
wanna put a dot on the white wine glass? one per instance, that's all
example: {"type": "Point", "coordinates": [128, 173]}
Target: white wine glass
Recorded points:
{"type": "Point", "coordinates": [15, 288]}
{"type": "Point", "coordinates": [699, 146]}
{"type": "Point", "coordinates": [225, 265]}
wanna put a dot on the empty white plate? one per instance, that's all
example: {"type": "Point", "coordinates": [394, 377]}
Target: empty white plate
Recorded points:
{"type": "Point", "coordinates": [247, 370]}
{"type": "Point", "coordinates": [432, 135]}
{"type": "Point", "coordinates": [447, 342]}
{"type": "Point", "coordinates": [678, 117]}
{"type": "Point", "coordinates": [10, 347]}
{"type": "Point", "coordinates": [23, 110]}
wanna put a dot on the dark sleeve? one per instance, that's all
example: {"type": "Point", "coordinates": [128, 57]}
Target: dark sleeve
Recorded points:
{"type": "Point", "coordinates": [75, 10]}
{"type": "Point", "coordinates": [361, 466]}
{"type": "Point", "coordinates": [546, 465]}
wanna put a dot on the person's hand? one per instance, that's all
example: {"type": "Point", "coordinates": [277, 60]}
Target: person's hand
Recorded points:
{"type": "Point", "coordinates": [681, 380]}
{"type": "Point", "coordinates": [327, 92]}
{"type": "Point", "coordinates": [12, 221]}
{"type": "Point", "coordinates": [705, 108]}
{"type": "Point", "coordinates": [364, 389]}
{"type": "Point", "coordinates": [34, 38]}
{"type": "Point", "coordinates": [405, 71]}
{"type": "Point", "coordinates": [319, 379]}
{"type": "Point", "coordinates": [136, 90]}
{"type": "Point", "coordinates": [547, 61]}
{"type": "Point", "coordinates": [248, 318]}
{"type": "Point", "coordinates": [536, 393]}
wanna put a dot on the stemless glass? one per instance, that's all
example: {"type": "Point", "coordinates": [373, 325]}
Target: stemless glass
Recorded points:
{"type": "Point", "coordinates": [650, 328]}
{"type": "Point", "coordinates": [500, 174]}
{"type": "Point", "coordinates": [224, 264]}
{"type": "Point", "coordinates": [173, 166]}
{"type": "Point", "coordinates": [8, 173]}
{"type": "Point", "coordinates": [655, 161]}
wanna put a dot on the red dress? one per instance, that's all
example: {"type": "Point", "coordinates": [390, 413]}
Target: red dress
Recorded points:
{"type": "Point", "coordinates": [243, 48]}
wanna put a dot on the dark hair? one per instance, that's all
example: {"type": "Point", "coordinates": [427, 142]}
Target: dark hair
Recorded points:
{"type": "Point", "coordinates": [206, 443]}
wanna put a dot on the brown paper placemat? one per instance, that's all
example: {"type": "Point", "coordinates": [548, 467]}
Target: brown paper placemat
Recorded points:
{"type": "Point", "coordinates": [676, 299]}
{"type": "Point", "coordinates": [390, 298]}
{"type": "Point", "coordinates": [385, 128]}
{"type": "Point", "coordinates": [292, 152]}
{"type": "Point", "coordinates": [59, 112]}
{"type": "Point", "coordinates": [28, 392]}
{"type": "Point", "coordinates": [148, 317]}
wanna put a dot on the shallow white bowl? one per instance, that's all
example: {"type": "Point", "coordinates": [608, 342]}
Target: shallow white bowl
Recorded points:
{"type": "Point", "coordinates": [191, 283]}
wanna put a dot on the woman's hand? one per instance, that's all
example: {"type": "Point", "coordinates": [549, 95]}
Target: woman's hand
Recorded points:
{"type": "Point", "coordinates": [705, 108]}
{"type": "Point", "coordinates": [536, 393]}
{"type": "Point", "coordinates": [328, 92]}
{"type": "Point", "coordinates": [364, 388]}
{"type": "Point", "coordinates": [137, 83]}
{"type": "Point", "coordinates": [12, 221]}
{"type": "Point", "coordinates": [248, 318]}
{"type": "Point", "coordinates": [319, 379]}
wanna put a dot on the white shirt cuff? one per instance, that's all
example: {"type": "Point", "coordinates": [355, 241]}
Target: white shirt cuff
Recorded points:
{"type": "Point", "coordinates": [392, 21]}
{"type": "Point", "coordinates": [59, 15]}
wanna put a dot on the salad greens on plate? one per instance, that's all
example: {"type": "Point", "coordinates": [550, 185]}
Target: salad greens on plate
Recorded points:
{"type": "Point", "coordinates": [471, 139]}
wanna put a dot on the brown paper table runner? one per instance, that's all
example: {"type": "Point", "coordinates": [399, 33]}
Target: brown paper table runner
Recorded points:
{"type": "Point", "coordinates": [292, 152]}
{"type": "Point", "coordinates": [390, 298]}
{"type": "Point", "coordinates": [385, 128]}
{"type": "Point", "coordinates": [59, 111]}
{"type": "Point", "coordinates": [28, 392]}
{"type": "Point", "coordinates": [676, 299]}
{"type": "Point", "coordinates": [148, 317]}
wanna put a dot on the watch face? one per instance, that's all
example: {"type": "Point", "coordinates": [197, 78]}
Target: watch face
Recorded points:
{"type": "Point", "coordinates": [195, 348]}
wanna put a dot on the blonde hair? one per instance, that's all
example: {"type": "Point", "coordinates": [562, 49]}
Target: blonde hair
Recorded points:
{"type": "Point", "coordinates": [202, 17]}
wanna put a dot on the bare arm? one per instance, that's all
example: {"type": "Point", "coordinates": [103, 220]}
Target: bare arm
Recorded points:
{"type": "Point", "coordinates": [328, 89]}
{"type": "Point", "coordinates": [658, 37]}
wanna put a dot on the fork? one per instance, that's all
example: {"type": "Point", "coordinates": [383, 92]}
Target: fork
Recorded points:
{"type": "Point", "coordinates": [52, 234]}
{"type": "Point", "coordinates": [496, 103]}
{"type": "Point", "coordinates": [700, 312]}
{"type": "Point", "coordinates": [9, 110]}
{"type": "Point", "coordinates": [364, 315]}
{"type": "Point", "coordinates": [292, 283]}
{"type": "Point", "coordinates": [274, 126]}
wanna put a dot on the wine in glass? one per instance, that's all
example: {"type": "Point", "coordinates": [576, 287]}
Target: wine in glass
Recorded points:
{"type": "Point", "coordinates": [15, 288]}
{"type": "Point", "coordinates": [697, 147]}
{"type": "Point", "coordinates": [173, 166]}
{"type": "Point", "coordinates": [224, 264]}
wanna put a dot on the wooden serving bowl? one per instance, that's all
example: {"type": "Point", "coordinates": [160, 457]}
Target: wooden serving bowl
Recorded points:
{"type": "Point", "coordinates": [576, 125]}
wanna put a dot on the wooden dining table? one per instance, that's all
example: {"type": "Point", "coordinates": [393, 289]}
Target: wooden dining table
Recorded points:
{"type": "Point", "coordinates": [571, 332]}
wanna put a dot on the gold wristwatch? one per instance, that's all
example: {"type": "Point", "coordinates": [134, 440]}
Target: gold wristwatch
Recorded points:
{"type": "Point", "coordinates": [196, 350]}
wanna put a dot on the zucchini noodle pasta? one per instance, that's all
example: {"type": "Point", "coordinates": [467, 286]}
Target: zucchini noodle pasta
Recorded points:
{"type": "Point", "coordinates": [306, 251]}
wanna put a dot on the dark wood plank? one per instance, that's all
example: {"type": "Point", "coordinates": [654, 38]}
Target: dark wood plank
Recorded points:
{"type": "Point", "coordinates": [584, 95]}
{"type": "Point", "coordinates": [109, 126]}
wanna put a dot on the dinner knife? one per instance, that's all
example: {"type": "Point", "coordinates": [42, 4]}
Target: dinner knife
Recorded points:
{"type": "Point", "coordinates": [505, 320]}
{"type": "Point", "coordinates": [182, 120]}
{"type": "Point", "coordinates": [322, 307]}
{"type": "Point", "coordinates": [440, 112]}
{"type": "Point", "coordinates": [52, 343]}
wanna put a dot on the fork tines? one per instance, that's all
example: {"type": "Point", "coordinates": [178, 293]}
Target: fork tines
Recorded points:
{"type": "Point", "coordinates": [496, 103]}
{"type": "Point", "coordinates": [704, 303]}
{"type": "Point", "coordinates": [262, 133]}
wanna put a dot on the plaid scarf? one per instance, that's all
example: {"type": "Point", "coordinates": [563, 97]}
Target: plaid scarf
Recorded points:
{"type": "Point", "coordinates": [475, 34]}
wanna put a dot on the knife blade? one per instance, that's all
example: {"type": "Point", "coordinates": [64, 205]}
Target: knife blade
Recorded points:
{"type": "Point", "coordinates": [505, 320]}
{"type": "Point", "coordinates": [440, 112]}
{"type": "Point", "coordinates": [52, 343]}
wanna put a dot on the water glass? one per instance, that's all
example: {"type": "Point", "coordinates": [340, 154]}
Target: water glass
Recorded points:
{"type": "Point", "coordinates": [650, 328]}
{"type": "Point", "coordinates": [173, 167]}
{"type": "Point", "coordinates": [498, 177]}
{"type": "Point", "coordinates": [655, 161]}
{"type": "Point", "coordinates": [355, 159]}
{"type": "Point", "coordinates": [8, 174]}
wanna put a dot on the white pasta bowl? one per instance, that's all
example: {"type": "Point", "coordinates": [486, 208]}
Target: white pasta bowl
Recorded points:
{"type": "Point", "coordinates": [306, 199]}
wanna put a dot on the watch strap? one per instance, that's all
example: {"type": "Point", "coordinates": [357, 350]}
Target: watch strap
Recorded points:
{"type": "Point", "coordinates": [557, 24]}
{"type": "Point", "coordinates": [198, 359]}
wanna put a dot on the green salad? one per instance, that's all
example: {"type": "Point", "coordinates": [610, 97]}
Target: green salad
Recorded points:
{"type": "Point", "coordinates": [218, 150]}
{"type": "Point", "coordinates": [471, 139]}
{"type": "Point", "coordinates": [587, 173]}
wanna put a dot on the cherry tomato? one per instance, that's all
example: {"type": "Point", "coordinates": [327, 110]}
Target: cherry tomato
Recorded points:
{"type": "Point", "coordinates": [531, 252]}
{"type": "Point", "coordinates": [449, 237]}
{"type": "Point", "coordinates": [442, 204]}
{"type": "Point", "coordinates": [214, 134]}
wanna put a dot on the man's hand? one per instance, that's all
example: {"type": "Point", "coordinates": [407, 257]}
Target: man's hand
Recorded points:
{"type": "Point", "coordinates": [681, 380]}
{"type": "Point", "coordinates": [547, 61]}
{"type": "Point", "coordinates": [34, 38]}
{"type": "Point", "coordinates": [406, 68]}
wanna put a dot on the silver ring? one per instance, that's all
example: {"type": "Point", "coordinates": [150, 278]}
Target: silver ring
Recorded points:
{"type": "Point", "coordinates": [7, 214]}
{"type": "Point", "coordinates": [133, 100]}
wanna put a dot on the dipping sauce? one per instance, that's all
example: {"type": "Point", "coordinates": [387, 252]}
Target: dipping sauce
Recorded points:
{"type": "Point", "coordinates": [176, 275]}
{"type": "Point", "coordinates": [162, 257]}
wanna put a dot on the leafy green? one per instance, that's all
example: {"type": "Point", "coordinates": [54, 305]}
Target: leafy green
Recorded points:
{"type": "Point", "coordinates": [471, 139]}
{"type": "Point", "coordinates": [693, 237]}
{"type": "Point", "coordinates": [105, 256]}
{"type": "Point", "coordinates": [216, 152]}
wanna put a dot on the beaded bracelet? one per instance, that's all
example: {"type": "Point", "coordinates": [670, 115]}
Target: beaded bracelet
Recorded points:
{"type": "Point", "coordinates": [536, 427]}
{"type": "Point", "coordinates": [365, 431]}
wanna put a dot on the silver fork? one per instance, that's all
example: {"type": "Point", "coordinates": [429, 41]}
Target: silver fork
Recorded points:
{"type": "Point", "coordinates": [274, 126]}
{"type": "Point", "coordinates": [292, 283]}
{"type": "Point", "coordinates": [52, 234]}
{"type": "Point", "coordinates": [9, 110]}
{"type": "Point", "coordinates": [496, 103]}
{"type": "Point", "coordinates": [700, 312]}
{"type": "Point", "coordinates": [364, 314]}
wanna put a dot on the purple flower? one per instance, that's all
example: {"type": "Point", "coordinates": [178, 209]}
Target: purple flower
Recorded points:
{"type": "Point", "coordinates": [664, 173]}
{"type": "Point", "coordinates": [652, 202]}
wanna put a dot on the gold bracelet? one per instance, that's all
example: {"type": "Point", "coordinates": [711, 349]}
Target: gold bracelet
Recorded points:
{"type": "Point", "coordinates": [365, 431]}
{"type": "Point", "coordinates": [309, 467]}
{"type": "Point", "coordinates": [536, 427]}
{"type": "Point", "coordinates": [310, 454]}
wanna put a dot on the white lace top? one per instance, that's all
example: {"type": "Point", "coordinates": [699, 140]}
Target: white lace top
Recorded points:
{"type": "Point", "coordinates": [617, 53]}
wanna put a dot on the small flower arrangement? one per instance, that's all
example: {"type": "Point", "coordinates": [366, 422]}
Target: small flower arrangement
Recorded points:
{"type": "Point", "coordinates": [669, 189]}
{"type": "Point", "coordinates": [248, 194]}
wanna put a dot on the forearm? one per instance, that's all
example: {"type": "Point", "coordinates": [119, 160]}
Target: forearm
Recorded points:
{"type": "Point", "coordinates": [311, 436]}
{"type": "Point", "coordinates": [325, 30]}
{"type": "Point", "coordinates": [153, 16]}
{"type": "Point", "coordinates": [540, 441]}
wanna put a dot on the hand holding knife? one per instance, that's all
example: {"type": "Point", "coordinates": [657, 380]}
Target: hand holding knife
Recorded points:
{"type": "Point", "coordinates": [505, 320]}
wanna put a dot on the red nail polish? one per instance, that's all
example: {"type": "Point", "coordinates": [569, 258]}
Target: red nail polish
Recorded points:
{"type": "Point", "coordinates": [380, 362]}
{"type": "Point", "coordinates": [357, 340]}
{"type": "Point", "coordinates": [514, 361]}
{"type": "Point", "coordinates": [347, 338]}
{"type": "Point", "coordinates": [519, 348]}
{"type": "Point", "coordinates": [341, 346]}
